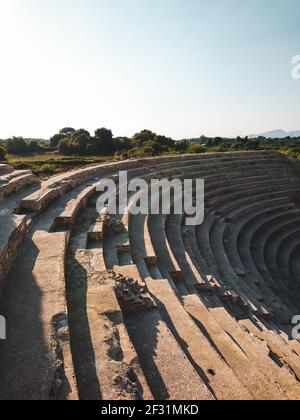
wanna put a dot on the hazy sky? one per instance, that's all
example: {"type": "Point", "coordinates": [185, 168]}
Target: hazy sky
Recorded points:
{"type": "Point", "coordinates": [179, 67]}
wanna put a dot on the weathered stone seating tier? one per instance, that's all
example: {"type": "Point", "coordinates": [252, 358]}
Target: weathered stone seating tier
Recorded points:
{"type": "Point", "coordinates": [5, 169]}
{"type": "Point", "coordinates": [132, 307]}
{"type": "Point", "coordinates": [13, 231]}
{"type": "Point", "coordinates": [56, 186]}
{"type": "Point", "coordinates": [68, 216]}
{"type": "Point", "coordinates": [15, 181]}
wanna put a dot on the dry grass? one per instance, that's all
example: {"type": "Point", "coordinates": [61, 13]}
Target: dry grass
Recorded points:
{"type": "Point", "coordinates": [49, 164]}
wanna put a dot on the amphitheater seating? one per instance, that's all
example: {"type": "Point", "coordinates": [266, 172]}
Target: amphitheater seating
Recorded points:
{"type": "Point", "coordinates": [13, 227]}
{"type": "Point", "coordinates": [13, 230]}
{"type": "Point", "coordinates": [140, 306]}
{"type": "Point", "coordinates": [167, 301]}
{"type": "Point", "coordinates": [5, 169]}
{"type": "Point", "coordinates": [114, 358]}
{"type": "Point", "coordinates": [96, 231]}
{"type": "Point", "coordinates": [67, 217]}
{"type": "Point", "coordinates": [52, 370]}
{"type": "Point", "coordinates": [12, 181]}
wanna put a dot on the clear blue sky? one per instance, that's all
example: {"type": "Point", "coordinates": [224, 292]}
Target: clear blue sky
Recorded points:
{"type": "Point", "coordinates": [179, 67]}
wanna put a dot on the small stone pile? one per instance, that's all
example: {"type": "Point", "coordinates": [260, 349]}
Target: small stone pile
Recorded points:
{"type": "Point", "coordinates": [131, 295]}
{"type": "Point", "coordinates": [114, 225]}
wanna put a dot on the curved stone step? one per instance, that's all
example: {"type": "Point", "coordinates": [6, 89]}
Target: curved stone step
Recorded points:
{"type": "Point", "coordinates": [43, 368]}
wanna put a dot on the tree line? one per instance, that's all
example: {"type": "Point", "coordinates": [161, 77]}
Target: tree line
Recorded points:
{"type": "Point", "coordinates": [80, 142]}
{"type": "Point", "coordinates": [71, 142]}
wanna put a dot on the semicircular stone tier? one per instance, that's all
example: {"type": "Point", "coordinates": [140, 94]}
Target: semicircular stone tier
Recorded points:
{"type": "Point", "coordinates": [102, 306]}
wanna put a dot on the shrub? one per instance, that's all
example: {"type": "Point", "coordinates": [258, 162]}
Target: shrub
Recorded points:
{"type": "Point", "coordinates": [158, 148]}
{"type": "Point", "coordinates": [21, 166]}
{"type": "Point", "coordinates": [141, 152]}
{"type": "Point", "coordinates": [217, 149]}
{"type": "Point", "coordinates": [121, 155]}
{"type": "Point", "coordinates": [46, 169]}
{"type": "Point", "coordinates": [148, 151]}
{"type": "Point", "coordinates": [3, 153]}
{"type": "Point", "coordinates": [196, 148]}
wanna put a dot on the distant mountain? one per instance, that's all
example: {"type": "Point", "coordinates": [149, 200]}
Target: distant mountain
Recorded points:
{"type": "Point", "coordinates": [277, 134]}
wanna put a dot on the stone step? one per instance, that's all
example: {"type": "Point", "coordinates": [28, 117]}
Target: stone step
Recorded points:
{"type": "Point", "coordinates": [43, 370]}
{"type": "Point", "coordinates": [15, 184]}
{"type": "Point", "coordinates": [254, 379]}
{"type": "Point", "coordinates": [207, 362]}
{"type": "Point", "coordinates": [169, 373]}
{"type": "Point", "coordinates": [5, 169]}
{"type": "Point", "coordinates": [67, 217]}
{"type": "Point", "coordinates": [13, 229]}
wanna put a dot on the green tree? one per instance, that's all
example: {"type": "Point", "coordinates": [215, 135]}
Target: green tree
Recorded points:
{"type": "Point", "coordinates": [122, 144]}
{"type": "Point", "coordinates": [80, 143]}
{"type": "Point", "coordinates": [65, 147]}
{"type": "Point", "coordinates": [17, 145]}
{"type": "Point", "coordinates": [165, 141]}
{"type": "Point", "coordinates": [143, 137]}
{"type": "Point", "coordinates": [181, 146]}
{"type": "Point", "coordinates": [91, 149]}
{"type": "Point", "coordinates": [34, 146]}
{"type": "Point", "coordinates": [104, 142]}
{"type": "Point", "coordinates": [54, 141]}
{"type": "Point", "coordinates": [67, 131]}
{"type": "Point", "coordinates": [80, 132]}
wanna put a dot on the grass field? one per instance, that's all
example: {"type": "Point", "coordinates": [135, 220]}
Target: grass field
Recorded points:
{"type": "Point", "coordinates": [49, 164]}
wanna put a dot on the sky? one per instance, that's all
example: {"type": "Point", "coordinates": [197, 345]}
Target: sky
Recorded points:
{"type": "Point", "coordinates": [181, 68]}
